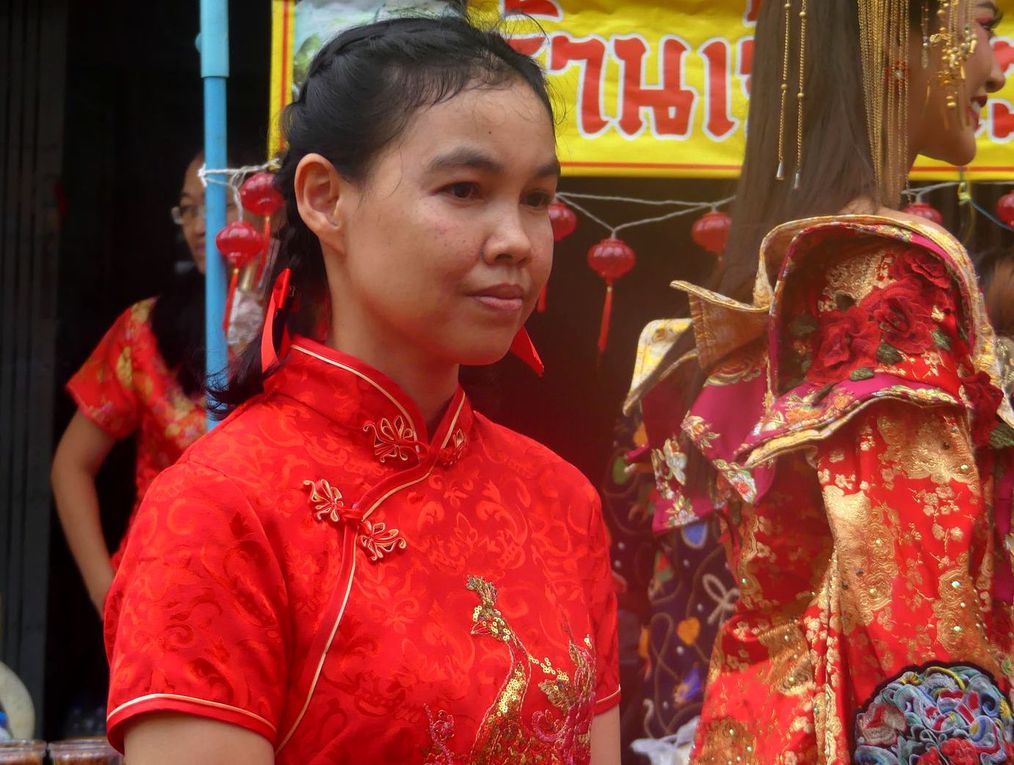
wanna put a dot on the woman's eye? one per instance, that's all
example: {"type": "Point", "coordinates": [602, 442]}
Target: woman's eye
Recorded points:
{"type": "Point", "coordinates": [463, 190]}
{"type": "Point", "coordinates": [989, 24]}
{"type": "Point", "coordinates": [538, 199]}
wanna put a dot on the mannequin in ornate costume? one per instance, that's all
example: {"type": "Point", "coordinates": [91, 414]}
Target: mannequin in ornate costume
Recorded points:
{"type": "Point", "coordinates": [838, 406]}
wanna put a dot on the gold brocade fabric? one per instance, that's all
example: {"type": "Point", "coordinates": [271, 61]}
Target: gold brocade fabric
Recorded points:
{"type": "Point", "coordinates": [861, 484]}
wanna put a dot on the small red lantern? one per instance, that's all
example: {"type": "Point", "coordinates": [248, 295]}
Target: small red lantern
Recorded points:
{"type": "Point", "coordinates": [927, 211]}
{"type": "Point", "coordinates": [564, 222]}
{"type": "Point", "coordinates": [611, 259]}
{"type": "Point", "coordinates": [239, 243]}
{"type": "Point", "coordinates": [563, 219]}
{"type": "Point", "coordinates": [711, 231]}
{"type": "Point", "coordinates": [259, 195]}
{"type": "Point", "coordinates": [1005, 208]}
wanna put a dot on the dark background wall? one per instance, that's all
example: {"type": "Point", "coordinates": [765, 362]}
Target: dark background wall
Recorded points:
{"type": "Point", "coordinates": [133, 121]}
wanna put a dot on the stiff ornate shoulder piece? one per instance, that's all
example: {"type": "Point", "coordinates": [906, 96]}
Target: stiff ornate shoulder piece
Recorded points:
{"type": "Point", "coordinates": [656, 339]}
{"type": "Point", "coordinates": [835, 274]}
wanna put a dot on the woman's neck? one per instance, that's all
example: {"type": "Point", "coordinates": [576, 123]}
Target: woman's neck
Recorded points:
{"type": "Point", "coordinates": [429, 382]}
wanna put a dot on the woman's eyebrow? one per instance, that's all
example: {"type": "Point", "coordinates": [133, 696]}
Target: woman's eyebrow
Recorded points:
{"type": "Point", "coordinates": [466, 157]}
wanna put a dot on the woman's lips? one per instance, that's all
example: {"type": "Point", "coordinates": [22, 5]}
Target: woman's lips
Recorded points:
{"type": "Point", "coordinates": [502, 298]}
{"type": "Point", "coordinates": [975, 111]}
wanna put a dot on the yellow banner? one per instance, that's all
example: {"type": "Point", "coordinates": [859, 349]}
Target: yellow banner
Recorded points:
{"type": "Point", "coordinates": [643, 87]}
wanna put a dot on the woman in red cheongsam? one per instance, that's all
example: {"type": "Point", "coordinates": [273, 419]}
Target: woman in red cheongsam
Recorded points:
{"type": "Point", "coordinates": [357, 567]}
{"type": "Point", "coordinates": [838, 406]}
{"type": "Point", "coordinates": [144, 379]}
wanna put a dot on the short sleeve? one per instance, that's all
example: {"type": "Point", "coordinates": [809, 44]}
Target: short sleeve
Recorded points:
{"type": "Point", "coordinates": [193, 621]}
{"type": "Point", "coordinates": [103, 388]}
{"type": "Point", "coordinates": [601, 592]}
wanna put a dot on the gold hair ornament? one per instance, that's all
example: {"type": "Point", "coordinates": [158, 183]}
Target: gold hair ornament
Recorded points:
{"type": "Point", "coordinates": [884, 49]}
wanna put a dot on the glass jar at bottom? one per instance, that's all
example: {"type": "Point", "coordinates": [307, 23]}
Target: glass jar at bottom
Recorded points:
{"type": "Point", "coordinates": [84, 751]}
{"type": "Point", "coordinates": [22, 752]}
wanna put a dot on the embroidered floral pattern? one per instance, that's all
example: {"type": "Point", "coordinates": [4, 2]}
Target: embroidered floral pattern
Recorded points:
{"type": "Point", "coordinates": [868, 547]}
{"type": "Point", "coordinates": [392, 440]}
{"type": "Point", "coordinates": [937, 716]}
{"type": "Point", "coordinates": [561, 735]}
{"type": "Point", "coordinates": [125, 388]}
{"type": "Point", "coordinates": [375, 538]}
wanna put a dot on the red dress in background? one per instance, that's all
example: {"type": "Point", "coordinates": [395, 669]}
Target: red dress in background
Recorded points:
{"type": "Point", "coordinates": [124, 387]}
{"type": "Point", "coordinates": [321, 572]}
{"type": "Point", "coordinates": [862, 466]}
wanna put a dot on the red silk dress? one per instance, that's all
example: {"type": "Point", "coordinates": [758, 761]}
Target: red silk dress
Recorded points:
{"type": "Point", "coordinates": [862, 465]}
{"type": "Point", "coordinates": [124, 387]}
{"type": "Point", "coordinates": [321, 572]}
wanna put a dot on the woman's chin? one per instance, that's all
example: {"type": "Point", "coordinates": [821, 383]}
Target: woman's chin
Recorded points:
{"type": "Point", "coordinates": [484, 354]}
{"type": "Point", "coordinates": [959, 153]}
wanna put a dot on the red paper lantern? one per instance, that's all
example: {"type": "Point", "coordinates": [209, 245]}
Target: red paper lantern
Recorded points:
{"type": "Point", "coordinates": [1005, 208]}
{"type": "Point", "coordinates": [259, 195]}
{"type": "Point", "coordinates": [923, 210]}
{"type": "Point", "coordinates": [563, 220]}
{"type": "Point", "coordinates": [711, 231]}
{"type": "Point", "coordinates": [611, 259]}
{"type": "Point", "coordinates": [239, 243]}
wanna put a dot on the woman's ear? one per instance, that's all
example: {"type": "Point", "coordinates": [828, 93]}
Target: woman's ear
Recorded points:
{"type": "Point", "coordinates": [319, 188]}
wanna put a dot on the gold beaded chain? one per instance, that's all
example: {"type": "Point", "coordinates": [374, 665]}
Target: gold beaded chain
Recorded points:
{"type": "Point", "coordinates": [780, 173]}
{"type": "Point", "coordinates": [800, 94]}
{"type": "Point", "coordinates": [883, 45]}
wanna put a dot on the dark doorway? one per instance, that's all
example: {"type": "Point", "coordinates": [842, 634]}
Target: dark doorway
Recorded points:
{"type": "Point", "coordinates": [133, 121]}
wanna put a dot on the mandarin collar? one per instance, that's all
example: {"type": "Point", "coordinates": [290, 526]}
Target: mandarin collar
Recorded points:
{"type": "Point", "coordinates": [352, 394]}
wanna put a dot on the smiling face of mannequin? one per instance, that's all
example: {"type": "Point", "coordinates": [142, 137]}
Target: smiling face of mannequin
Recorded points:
{"type": "Point", "coordinates": [936, 129]}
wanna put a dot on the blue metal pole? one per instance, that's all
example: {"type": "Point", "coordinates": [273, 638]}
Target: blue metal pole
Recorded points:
{"type": "Point", "coordinates": [214, 46]}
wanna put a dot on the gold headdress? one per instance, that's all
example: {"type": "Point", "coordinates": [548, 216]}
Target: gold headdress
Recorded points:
{"type": "Point", "coordinates": [884, 48]}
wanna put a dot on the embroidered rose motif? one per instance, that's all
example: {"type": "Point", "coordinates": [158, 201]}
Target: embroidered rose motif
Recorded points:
{"type": "Point", "coordinates": [932, 269]}
{"type": "Point", "coordinates": [901, 314]}
{"type": "Point", "coordinates": [985, 399]}
{"type": "Point", "coordinates": [960, 751]}
{"type": "Point", "coordinates": [847, 340]}
{"type": "Point", "coordinates": [931, 757]}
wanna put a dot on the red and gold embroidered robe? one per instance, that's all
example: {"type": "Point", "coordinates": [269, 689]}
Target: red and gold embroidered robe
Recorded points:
{"type": "Point", "coordinates": [860, 455]}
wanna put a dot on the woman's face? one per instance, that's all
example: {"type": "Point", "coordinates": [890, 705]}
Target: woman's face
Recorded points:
{"type": "Point", "coordinates": [445, 247]}
{"type": "Point", "coordinates": [191, 207]}
{"type": "Point", "coordinates": [191, 210]}
{"type": "Point", "coordinates": [939, 130]}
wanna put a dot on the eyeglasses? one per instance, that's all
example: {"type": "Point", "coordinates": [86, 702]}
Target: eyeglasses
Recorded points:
{"type": "Point", "coordinates": [189, 213]}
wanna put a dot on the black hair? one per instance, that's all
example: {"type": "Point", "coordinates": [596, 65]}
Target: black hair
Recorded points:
{"type": "Point", "coordinates": [177, 321]}
{"type": "Point", "coordinates": [361, 92]}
